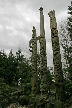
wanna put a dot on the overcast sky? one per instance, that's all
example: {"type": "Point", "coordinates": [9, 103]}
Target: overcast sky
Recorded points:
{"type": "Point", "coordinates": [17, 17]}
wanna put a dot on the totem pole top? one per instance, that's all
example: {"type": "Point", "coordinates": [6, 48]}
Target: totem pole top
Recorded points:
{"type": "Point", "coordinates": [33, 27]}
{"type": "Point", "coordinates": [53, 23]}
{"type": "Point", "coordinates": [41, 9]}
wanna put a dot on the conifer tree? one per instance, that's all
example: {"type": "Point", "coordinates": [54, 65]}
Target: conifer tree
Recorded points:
{"type": "Point", "coordinates": [69, 28]}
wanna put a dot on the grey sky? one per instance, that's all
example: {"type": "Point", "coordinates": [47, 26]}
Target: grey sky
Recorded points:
{"type": "Point", "coordinates": [17, 17]}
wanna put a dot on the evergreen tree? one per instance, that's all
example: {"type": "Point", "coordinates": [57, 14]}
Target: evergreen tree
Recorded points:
{"type": "Point", "coordinates": [23, 72]}
{"type": "Point", "coordinates": [3, 64]}
{"type": "Point", "coordinates": [64, 43]}
{"type": "Point", "coordinates": [11, 69]}
{"type": "Point", "coordinates": [50, 78]}
{"type": "Point", "coordinates": [69, 28]}
{"type": "Point", "coordinates": [65, 34]}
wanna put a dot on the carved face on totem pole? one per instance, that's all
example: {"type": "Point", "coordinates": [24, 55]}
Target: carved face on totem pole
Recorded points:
{"type": "Point", "coordinates": [51, 14]}
{"type": "Point", "coordinates": [53, 23]}
{"type": "Point", "coordinates": [34, 32]}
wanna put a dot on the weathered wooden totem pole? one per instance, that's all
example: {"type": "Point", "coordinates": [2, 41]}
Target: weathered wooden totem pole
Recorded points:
{"type": "Point", "coordinates": [43, 57]}
{"type": "Point", "coordinates": [43, 64]}
{"type": "Point", "coordinates": [56, 58]}
{"type": "Point", "coordinates": [33, 45]}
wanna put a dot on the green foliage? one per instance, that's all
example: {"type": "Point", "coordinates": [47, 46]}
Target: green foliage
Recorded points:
{"type": "Point", "coordinates": [39, 75]}
{"type": "Point", "coordinates": [5, 91]}
{"type": "Point", "coordinates": [3, 63]}
{"type": "Point", "coordinates": [69, 58]}
{"type": "Point", "coordinates": [4, 102]}
{"type": "Point", "coordinates": [65, 34]}
{"type": "Point", "coordinates": [68, 88]}
{"type": "Point", "coordinates": [24, 100]}
{"type": "Point", "coordinates": [50, 82]}
{"type": "Point", "coordinates": [58, 104]}
{"type": "Point", "coordinates": [69, 28]}
{"type": "Point", "coordinates": [13, 99]}
{"type": "Point", "coordinates": [11, 68]}
{"type": "Point", "coordinates": [14, 74]}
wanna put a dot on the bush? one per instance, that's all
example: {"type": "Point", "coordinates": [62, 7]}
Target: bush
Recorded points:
{"type": "Point", "coordinates": [4, 103]}
{"type": "Point", "coordinates": [23, 100]}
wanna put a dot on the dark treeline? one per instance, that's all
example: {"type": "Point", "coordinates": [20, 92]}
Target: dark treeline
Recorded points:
{"type": "Point", "coordinates": [14, 74]}
{"type": "Point", "coordinates": [12, 68]}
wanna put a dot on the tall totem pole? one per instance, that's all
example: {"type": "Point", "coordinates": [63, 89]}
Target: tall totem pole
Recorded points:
{"type": "Point", "coordinates": [56, 57]}
{"type": "Point", "coordinates": [33, 45]}
{"type": "Point", "coordinates": [43, 57]}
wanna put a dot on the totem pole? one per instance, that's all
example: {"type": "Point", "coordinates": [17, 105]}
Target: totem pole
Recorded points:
{"type": "Point", "coordinates": [43, 57]}
{"type": "Point", "coordinates": [56, 57]}
{"type": "Point", "coordinates": [33, 46]}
